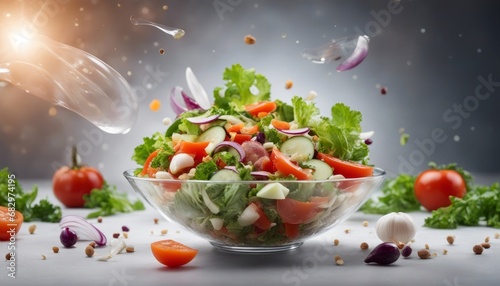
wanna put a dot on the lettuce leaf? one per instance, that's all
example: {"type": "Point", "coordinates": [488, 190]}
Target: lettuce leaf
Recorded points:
{"type": "Point", "coordinates": [243, 87]}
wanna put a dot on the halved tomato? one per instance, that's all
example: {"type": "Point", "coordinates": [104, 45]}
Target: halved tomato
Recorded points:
{"type": "Point", "coordinates": [172, 253]}
{"type": "Point", "coordinates": [10, 222]}
{"type": "Point", "coordinates": [346, 168]}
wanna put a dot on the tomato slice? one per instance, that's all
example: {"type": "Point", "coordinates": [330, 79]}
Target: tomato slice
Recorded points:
{"type": "Point", "coordinates": [172, 253]}
{"type": "Point", "coordinates": [287, 167]}
{"type": "Point", "coordinates": [9, 225]}
{"type": "Point", "coordinates": [297, 212]}
{"type": "Point", "coordinates": [346, 168]}
{"type": "Point", "coordinates": [240, 138]}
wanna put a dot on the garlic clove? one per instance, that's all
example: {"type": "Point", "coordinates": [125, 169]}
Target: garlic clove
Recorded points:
{"type": "Point", "coordinates": [397, 227]}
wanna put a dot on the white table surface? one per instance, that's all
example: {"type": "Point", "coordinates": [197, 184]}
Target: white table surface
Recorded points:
{"type": "Point", "coordinates": [311, 264]}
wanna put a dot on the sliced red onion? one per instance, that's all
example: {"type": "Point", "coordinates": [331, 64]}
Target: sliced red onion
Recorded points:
{"type": "Point", "coordinates": [261, 174]}
{"type": "Point", "coordinates": [203, 120]}
{"type": "Point", "coordinates": [190, 103]}
{"type": "Point", "coordinates": [197, 89]}
{"type": "Point", "coordinates": [84, 229]}
{"type": "Point", "coordinates": [176, 106]}
{"type": "Point", "coordinates": [300, 131]}
{"type": "Point", "coordinates": [233, 145]}
{"type": "Point", "coordinates": [232, 168]}
{"type": "Point", "coordinates": [359, 54]}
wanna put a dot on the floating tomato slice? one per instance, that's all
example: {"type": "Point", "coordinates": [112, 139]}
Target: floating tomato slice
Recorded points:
{"type": "Point", "coordinates": [172, 253]}
{"type": "Point", "coordinates": [9, 225]}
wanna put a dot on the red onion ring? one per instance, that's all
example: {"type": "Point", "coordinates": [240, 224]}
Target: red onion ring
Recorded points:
{"type": "Point", "coordinates": [260, 174]}
{"type": "Point", "coordinates": [359, 54]}
{"type": "Point", "coordinates": [300, 131]}
{"type": "Point", "coordinates": [233, 145]}
{"type": "Point", "coordinates": [84, 229]}
{"type": "Point", "coordinates": [176, 106]}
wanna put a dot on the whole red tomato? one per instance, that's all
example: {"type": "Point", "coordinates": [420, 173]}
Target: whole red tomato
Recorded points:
{"type": "Point", "coordinates": [434, 187]}
{"type": "Point", "coordinates": [71, 183]}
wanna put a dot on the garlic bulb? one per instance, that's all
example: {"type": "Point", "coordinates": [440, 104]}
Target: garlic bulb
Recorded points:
{"type": "Point", "coordinates": [396, 227]}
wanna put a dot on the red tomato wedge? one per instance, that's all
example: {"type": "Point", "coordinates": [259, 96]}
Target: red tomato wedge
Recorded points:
{"type": "Point", "coordinates": [279, 124]}
{"type": "Point", "coordinates": [10, 222]}
{"type": "Point", "coordinates": [346, 168]}
{"type": "Point", "coordinates": [262, 222]}
{"type": "Point", "coordinates": [195, 148]}
{"type": "Point", "coordinates": [287, 167]}
{"type": "Point", "coordinates": [292, 230]}
{"type": "Point", "coordinates": [172, 253]}
{"type": "Point", "coordinates": [240, 138]}
{"type": "Point", "coordinates": [297, 212]}
{"type": "Point", "coordinates": [264, 106]}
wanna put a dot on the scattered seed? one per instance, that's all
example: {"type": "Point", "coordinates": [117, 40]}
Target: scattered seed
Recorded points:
{"type": "Point", "coordinates": [92, 244]}
{"type": "Point", "coordinates": [152, 232]}
{"type": "Point", "coordinates": [162, 51]}
{"type": "Point", "coordinates": [487, 239]}
{"type": "Point", "coordinates": [99, 219]}
{"type": "Point", "coordinates": [125, 234]}
{"type": "Point", "coordinates": [155, 220]}
{"type": "Point", "coordinates": [445, 251]}
{"type": "Point", "coordinates": [450, 239]}
{"type": "Point", "coordinates": [89, 251]}
{"type": "Point", "coordinates": [424, 254]}
{"type": "Point", "coordinates": [427, 246]}
{"type": "Point", "coordinates": [336, 242]}
{"type": "Point", "coordinates": [125, 228]}
{"type": "Point", "coordinates": [401, 245]}
{"type": "Point", "coordinates": [434, 254]}
{"type": "Point", "coordinates": [44, 257]}
{"type": "Point", "coordinates": [497, 235]}
{"type": "Point", "coordinates": [486, 245]}
{"type": "Point", "coordinates": [365, 223]}
{"type": "Point", "coordinates": [32, 228]}
{"type": "Point", "coordinates": [129, 249]}
{"type": "Point", "coordinates": [339, 261]}
{"type": "Point", "coordinates": [116, 235]}
{"type": "Point", "coordinates": [348, 230]}
{"type": "Point", "coordinates": [249, 40]}
{"type": "Point", "coordinates": [478, 249]}
{"type": "Point", "coordinates": [7, 256]}
{"type": "Point", "coordinates": [55, 249]}
{"type": "Point", "coordinates": [288, 84]}
{"type": "Point", "coordinates": [163, 231]}
{"type": "Point", "coordinates": [364, 246]}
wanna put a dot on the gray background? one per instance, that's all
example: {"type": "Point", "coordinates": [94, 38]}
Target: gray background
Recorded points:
{"type": "Point", "coordinates": [429, 55]}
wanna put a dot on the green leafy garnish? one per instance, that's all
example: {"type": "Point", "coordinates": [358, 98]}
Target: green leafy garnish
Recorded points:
{"type": "Point", "coordinates": [109, 202]}
{"type": "Point", "coordinates": [480, 205]}
{"type": "Point", "coordinates": [25, 201]}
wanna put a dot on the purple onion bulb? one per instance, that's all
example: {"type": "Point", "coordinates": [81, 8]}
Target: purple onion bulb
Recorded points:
{"type": "Point", "coordinates": [68, 237]}
{"type": "Point", "coordinates": [384, 253]}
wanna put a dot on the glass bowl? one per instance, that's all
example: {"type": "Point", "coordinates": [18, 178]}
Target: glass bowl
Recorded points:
{"type": "Point", "coordinates": [235, 216]}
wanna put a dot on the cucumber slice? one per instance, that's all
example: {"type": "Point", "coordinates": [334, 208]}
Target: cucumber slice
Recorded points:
{"type": "Point", "coordinates": [215, 135]}
{"type": "Point", "coordinates": [298, 145]}
{"type": "Point", "coordinates": [322, 170]}
{"type": "Point", "coordinates": [225, 175]}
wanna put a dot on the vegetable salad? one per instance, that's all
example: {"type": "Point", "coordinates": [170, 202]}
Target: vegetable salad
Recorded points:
{"type": "Point", "coordinates": [246, 136]}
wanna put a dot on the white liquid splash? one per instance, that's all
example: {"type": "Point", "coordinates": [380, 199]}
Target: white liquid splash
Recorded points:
{"type": "Point", "coordinates": [69, 77]}
{"type": "Point", "coordinates": [174, 32]}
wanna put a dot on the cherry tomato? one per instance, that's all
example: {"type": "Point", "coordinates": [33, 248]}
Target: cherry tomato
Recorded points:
{"type": "Point", "coordinates": [71, 183]}
{"type": "Point", "coordinates": [10, 222]}
{"type": "Point", "coordinates": [172, 253]}
{"type": "Point", "coordinates": [434, 187]}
